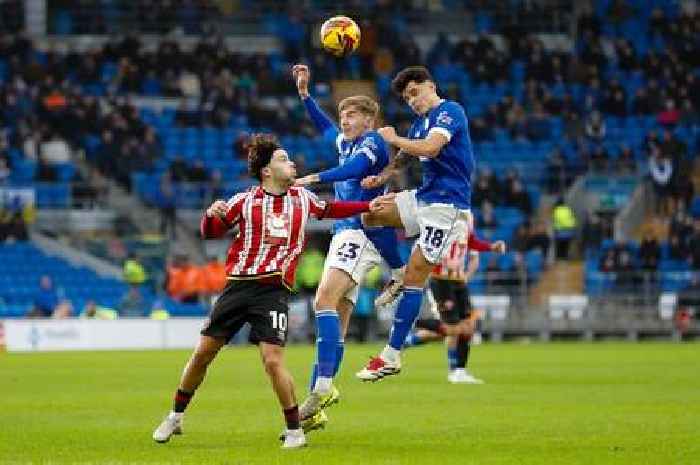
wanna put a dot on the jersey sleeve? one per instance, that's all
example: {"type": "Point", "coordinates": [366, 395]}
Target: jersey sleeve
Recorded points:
{"type": "Point", "coordinates": [317, 207]}
{"type": "Point", "coordinates": [371, 148]}
{"type": "Point", "coordinates": [214, 227]}
{"type": "Point", "coordinates": [355, 167]}
{"type": "Point", "coordinates": [449, 120]}
{"type": "Point", "coordinates": [235, 208]}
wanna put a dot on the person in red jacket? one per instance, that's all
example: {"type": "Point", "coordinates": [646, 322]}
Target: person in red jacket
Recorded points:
{"type": "Point", "coordinates": [270, 219]}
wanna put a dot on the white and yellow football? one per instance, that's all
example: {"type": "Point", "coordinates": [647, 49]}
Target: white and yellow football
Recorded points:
{"type": "Point", "coordinates": [340, 36]}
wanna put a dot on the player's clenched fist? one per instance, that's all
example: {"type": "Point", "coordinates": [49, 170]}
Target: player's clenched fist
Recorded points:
{"type": "Point", "coordinates": [371, 182]}
{"type": "Point", "coordinates": [380, 203]}
{"type": "Point", "coordinates": [498, 247]}
{"type": "Point", "coordinates": [388, 133]}
{"type": "Point", "coordinates": [301, 75]}
{"type": "Point", "coordinates": [218, 208]}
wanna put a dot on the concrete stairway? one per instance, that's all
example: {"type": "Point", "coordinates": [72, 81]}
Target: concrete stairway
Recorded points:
{"type": "Point", "coordinates": [562, 277]}
{"type": "Point", "coordinates": [145, 218]}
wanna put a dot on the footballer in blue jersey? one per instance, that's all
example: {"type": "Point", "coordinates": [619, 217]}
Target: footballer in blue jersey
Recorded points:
{"type": "Point", "coordinates": [438, 212]}
{"type": "Point", "coordinates": [354, 249]}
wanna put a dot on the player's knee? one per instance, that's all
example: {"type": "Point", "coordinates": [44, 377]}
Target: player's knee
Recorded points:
{"type": "Point", "coordinates": [326, 298]}
{"type": "Point", "coordinates": [203, 358]}
{"type": "Point", "coordinates": [272, 363]}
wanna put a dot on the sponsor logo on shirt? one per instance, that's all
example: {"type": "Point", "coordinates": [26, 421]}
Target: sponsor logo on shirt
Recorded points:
{"type": "Point", "coordinates": [370, 144]}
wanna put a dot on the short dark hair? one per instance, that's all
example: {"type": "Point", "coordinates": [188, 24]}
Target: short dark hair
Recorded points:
{"type": "Point", "coordinates": [419, 74]}
{"type": "Point", "coordinates": [260, 148]}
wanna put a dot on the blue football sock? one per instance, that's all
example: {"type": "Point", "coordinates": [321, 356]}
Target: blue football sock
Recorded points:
{"type": "Point", "coordinates": [328, 336]}
{"type": "Point", "coordinates": [314, 375]}
{"type": "Point", "coordinates": [413, 339]}
{"type": "Point", "coordinates": [339, 351]}
{"type": "Point", "coordinates": [452, 358]}
{"type": "Point", "coordinates": [406, 314]}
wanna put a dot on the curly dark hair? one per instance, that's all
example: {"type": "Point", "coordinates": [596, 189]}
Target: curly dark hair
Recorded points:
{"type": "Point", "coordinates": [419, 74]}
{"type": "Point", "coordinates": [260, 149]}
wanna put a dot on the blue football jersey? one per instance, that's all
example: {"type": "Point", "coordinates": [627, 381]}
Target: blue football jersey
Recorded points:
{"type": "Point", "coordinates": [372, 146]}
{"type": "Point", "coordinates": [446, 177]}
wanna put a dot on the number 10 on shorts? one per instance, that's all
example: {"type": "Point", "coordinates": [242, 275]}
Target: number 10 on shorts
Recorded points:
{"type": "Point", "coordinates": [279, 320]}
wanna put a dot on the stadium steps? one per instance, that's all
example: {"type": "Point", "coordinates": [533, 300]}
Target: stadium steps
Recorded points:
{"type": "Point", "coordinates": [563, 277]}
{"type": "Point", "coordinates": [147, 219]}
{"type": "Point", "coordinates": [659, 225]}
{"type": "Point", "coordinates": [74, 256]}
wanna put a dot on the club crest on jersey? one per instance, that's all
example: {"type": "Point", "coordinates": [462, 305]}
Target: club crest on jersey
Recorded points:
{"type": "Point", "coordinates": [277, 225]}
{"type": "Point", "coordinates": [370, 144]}
{"type": "Point", "coordinates": [444, 118]}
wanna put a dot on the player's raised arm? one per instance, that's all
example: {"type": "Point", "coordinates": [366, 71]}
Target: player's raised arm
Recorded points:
{"type": "Point", "coordinates": [221, 216]}
{"type": "Point", "coordinates": [321, 120]}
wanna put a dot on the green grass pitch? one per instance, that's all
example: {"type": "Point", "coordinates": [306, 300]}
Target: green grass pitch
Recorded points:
{"type": "Point", "coordinates": [593, 404]}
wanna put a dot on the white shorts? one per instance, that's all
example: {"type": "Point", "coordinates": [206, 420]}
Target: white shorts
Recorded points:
{"type": "Point", "coordinates": [407, 205]}
{"type": "Point", "coordinates": [352, 252]}
{"type": "Point", "coordinates": [438, 225]}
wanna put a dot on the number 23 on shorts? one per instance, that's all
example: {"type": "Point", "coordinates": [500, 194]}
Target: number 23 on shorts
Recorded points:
{"type": "Point", "coordinates": [348, 250]}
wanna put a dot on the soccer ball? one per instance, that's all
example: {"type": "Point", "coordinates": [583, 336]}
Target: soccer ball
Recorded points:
{"type": "Point", "coordinates": [340, 36]}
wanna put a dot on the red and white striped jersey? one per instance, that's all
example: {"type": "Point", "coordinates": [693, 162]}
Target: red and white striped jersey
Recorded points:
{"type": "Point", "coordinates": [453, 266]}
{"type": "Point", "coordinates": [271, 232]}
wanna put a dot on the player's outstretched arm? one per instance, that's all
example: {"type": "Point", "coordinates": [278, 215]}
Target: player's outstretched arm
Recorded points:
{"type": "Point", "coordinates": [334, 209]}
{"type": "Point", "coordinates": [428, 147]}
{"type": "Point", "coordinates": [323, 123]}
{"type": "Point", "coordinates": [344, 209]}
{"type": "Point", "coordinates": [354, 168]}
{"type": "Point", "coordinates": [480, 245]}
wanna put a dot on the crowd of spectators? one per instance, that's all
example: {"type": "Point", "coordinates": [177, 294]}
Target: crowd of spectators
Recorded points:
{"type": "Point", "coordinates": [193, 17]}
{"type": "Point", "coordinates": [507, 192]}
{"type": "Point", "coordinates": [638, 264]}
{"type": "Point", "coordinates": [56, 102]}
{"type": "Point", "coordinates": [217, 83]}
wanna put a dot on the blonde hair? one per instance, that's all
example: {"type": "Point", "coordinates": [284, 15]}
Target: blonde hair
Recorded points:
{"type": "Point", "coordinates": [362, 103]}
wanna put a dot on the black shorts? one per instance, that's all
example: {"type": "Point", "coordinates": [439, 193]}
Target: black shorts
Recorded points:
{"type": "Point", "coordinates": [452, 298]}
{"type": "Point", "coordinates": [264, 306]}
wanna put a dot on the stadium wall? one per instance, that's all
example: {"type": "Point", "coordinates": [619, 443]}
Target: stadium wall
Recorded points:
{"type": "Point", "coordinates": [127, 334]}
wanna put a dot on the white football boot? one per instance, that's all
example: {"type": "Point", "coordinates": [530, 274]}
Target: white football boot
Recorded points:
{"type": "Point", "coordinates": [171, 425]}
{"type": "Point", "coordinates": [462, 376]}
{"type": "Point", "coordinates": [294, 438]}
